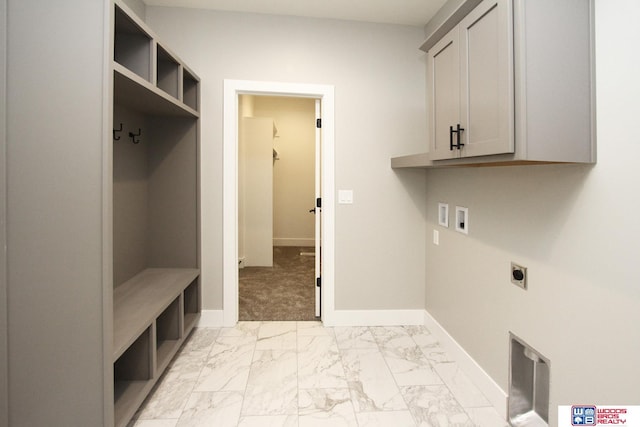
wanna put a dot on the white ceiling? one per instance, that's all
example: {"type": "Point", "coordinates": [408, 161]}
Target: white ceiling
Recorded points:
{"type": "Point", "coordinates": [405, 12]}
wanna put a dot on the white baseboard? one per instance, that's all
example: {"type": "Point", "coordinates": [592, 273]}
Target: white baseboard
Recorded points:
{"type": "Point", "coordinates": [215, 318]}
{"type": "Point", "coordinates": [492, 391]}
{"type": "Point", "coordinates": [211, 319]}
{"type": "Point", "coordinates": [374, 318]}
{"type": "Point", "coordinates": [293, 241]}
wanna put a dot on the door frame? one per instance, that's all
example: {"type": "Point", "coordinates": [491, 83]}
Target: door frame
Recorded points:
{"type": "Point", "coordinates": [232, 90]}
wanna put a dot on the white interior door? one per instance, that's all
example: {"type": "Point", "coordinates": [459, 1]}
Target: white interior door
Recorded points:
{"type": "Point", "coordinates": [318, 215]}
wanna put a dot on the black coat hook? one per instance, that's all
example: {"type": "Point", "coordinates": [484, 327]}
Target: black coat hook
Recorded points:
{"type": "Point", "coordinates": [133, 136]}
{"type": "Point", "coordinates": [117, 138]}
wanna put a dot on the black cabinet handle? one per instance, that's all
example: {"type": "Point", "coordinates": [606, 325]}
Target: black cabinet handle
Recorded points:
{"type": "Point", "coordinates": [457, 131]}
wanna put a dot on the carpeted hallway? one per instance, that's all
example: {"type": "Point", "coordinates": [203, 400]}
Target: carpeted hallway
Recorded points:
{"type": "Point", "coordinates": [285, 291]}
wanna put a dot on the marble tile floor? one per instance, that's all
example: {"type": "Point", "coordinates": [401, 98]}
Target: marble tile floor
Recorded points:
{"type": "Point", "coordinates": [290, 374]}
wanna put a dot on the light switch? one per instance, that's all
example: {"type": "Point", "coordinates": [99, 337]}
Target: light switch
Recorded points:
{"type": "Point", "coordinates": [436, 237]}
{"type": "Point", "coordinates": [345, 197]}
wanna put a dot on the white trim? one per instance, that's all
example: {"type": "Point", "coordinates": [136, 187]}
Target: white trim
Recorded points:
{"type": "Point", "coordinates": [294, 241]}
{"type": "Point", "coordinates": [317, 210]}
{"type": "Point", "coordinates": [492, 391]}
{"type": "Point", "coordinates": [233, 88]}
{"type": "Point", "coordinates": [375, 318]}
{"type": "Point", "coordinates": [211, 319]}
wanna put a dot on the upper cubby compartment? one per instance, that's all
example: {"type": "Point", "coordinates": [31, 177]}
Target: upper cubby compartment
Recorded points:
{"type": "Point", "coordinates": [132, 45]}
{"type": "Point", "coordinates": [168, 70]}
{"type": "Point", "coordinates": [189, 89]}
{"type": "Point", "coordinates": [148, 77]}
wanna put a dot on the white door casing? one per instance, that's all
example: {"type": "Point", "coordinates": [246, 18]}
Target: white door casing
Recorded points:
{"type": "Point", "coordinates": [324, 93]}
{"type": "Point", "coordinates": [318, 212]}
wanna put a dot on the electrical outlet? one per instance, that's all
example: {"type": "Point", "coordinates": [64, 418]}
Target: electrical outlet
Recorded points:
{"type": "Point", "coordinates": [462, 219]}
{"type": "Point", "coordinates": [518, 275]}
{"type": "Point", "coordinates": [443, 214]}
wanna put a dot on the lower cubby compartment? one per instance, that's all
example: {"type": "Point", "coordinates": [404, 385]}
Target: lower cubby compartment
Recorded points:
{"type": "Point", "coordinates": [168, 334]}
{"type": "Point", "coordinates": [132, 378]}
{"type": "Point", "coordinates": [191, 305]}
{"type": "Point", "coordinates": [148, 329]}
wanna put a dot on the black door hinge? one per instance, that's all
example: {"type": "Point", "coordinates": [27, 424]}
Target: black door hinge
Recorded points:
{"type": "Point", "coordinates": [319, 282]}
{"type": "Point", "coordinates": [319, 123]}
{"type": "Point", "coordinates": [318, 202]}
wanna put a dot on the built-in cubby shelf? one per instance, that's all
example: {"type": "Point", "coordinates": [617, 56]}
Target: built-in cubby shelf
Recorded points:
{"type": "Point", "coordinates": [137, 52]}
{"type": "Point", "coordinates": [189, 90]}
{"type": "Point", "coordinates": [149, 326]}
{"type": "Point", "coordinates": [138, 94]}
{"type": "Point", "coordinates": [155, 209]}
{"type": "Point", "coordinates": [168, 70]}
{"type": "Point", "coordinates": [168, 332]}
{"type": "Point", "coordinates": [191, 305]}
{"type": "Point", "coordinates": [150, 295]}
{"type": "Point", "coordinates": [132, 44]}
{"type": "Point", "coordinates": [133, 376]}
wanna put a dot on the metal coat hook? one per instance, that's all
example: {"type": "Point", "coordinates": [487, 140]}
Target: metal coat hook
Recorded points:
{"type": "Point", "coordinates": [117, 138]}
{"type": "Point", "coordinates": [133, 136]}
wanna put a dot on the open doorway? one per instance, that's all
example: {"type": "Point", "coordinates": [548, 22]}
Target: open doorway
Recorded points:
{"type": "Point", "coordinates": [325, 106]}
{"type": "Point", "coordinates": [277, 207]}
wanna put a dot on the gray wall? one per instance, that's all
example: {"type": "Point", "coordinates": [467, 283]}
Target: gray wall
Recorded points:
{"type": "Point", "coordinates": [574, 227]}
{"type": "Point", "coordinates": [378, 73]}
{"type": "Point", "coordinates": [130, 197]}
{"type": "Point", "coordinates": [54, 212]}
{"type": "Point", "coordinates": [4, 408]}
{"type": "Point", "coordinates": [138, 7]}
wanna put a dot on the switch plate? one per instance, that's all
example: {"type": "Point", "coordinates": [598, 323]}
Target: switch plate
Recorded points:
{"type": "Point", "coordinates": [443, 214]}
{"type": "Point", "coordinates": [345, 197]}
{"type": "Point", "coordinates": [462, 219]}
{"type": "Point", "coordinates": [436, 237]}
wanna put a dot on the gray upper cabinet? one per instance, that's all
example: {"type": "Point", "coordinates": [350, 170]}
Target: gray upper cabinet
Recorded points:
{"type": "Point", "coordinates": [470, 75]}
{"type": "Point", "coordinates": [509, 82]}
{"type": "Point", "coordinates": [444, 94]}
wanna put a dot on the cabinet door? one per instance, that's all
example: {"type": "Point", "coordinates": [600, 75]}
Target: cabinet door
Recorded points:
{"type": "Point", "coordinates": [486, 87]}
{"type": "Point", "coordinates": [443, 80]}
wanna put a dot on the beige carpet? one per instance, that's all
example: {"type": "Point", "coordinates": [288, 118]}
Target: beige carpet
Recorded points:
{"type": "Point", "coordinates": [285, 291]}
